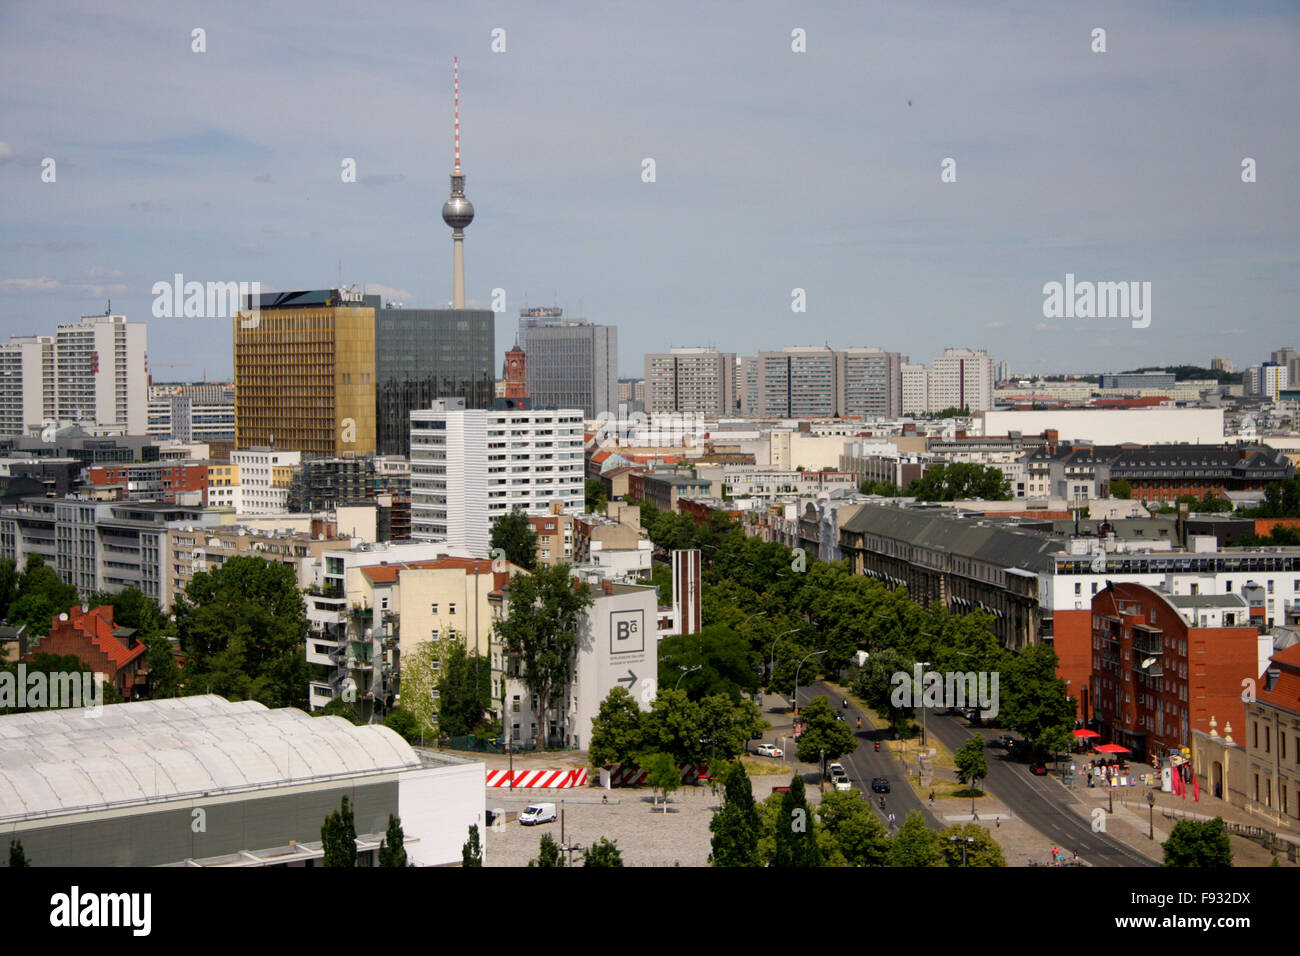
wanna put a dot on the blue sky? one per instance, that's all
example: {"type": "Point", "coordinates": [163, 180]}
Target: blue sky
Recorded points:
{"type": "Point", "coordinates": [775, 170]}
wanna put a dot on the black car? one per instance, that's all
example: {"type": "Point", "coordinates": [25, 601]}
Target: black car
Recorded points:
{"type": "Point", "coordinates": [880, 785]}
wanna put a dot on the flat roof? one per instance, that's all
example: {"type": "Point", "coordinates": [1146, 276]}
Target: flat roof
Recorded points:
{"type": "Point", "coordinates": [64, 761]}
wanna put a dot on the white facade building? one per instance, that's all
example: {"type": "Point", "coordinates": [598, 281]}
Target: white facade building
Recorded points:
{"type": "Point", "coordinates": [1115, 426]}
{"type": "Point", "coordinates": [101, 376]}
{"type": "Point", "coordinates": [471, 466]}
{"type": "Point", "coordinates": [962, 378]}
{"type": "Point", "coordinates": [26, 384]}
{"type": "Point", "coordinates": [264, 476]}
{"type": "Point", "coordinates": [916, 389]}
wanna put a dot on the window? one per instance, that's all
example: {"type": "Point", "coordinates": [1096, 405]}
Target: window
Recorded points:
{"type": "Point", "coordinates": [434, 607]}
{"type": "Point", "coordinates": [514, 708]}
{"type": "Point", "coordinates": [1268, 738]}
{"type": "Point", "coordinates": [451, 608]}
{"type": "Point", "coordinates": [1078, 588]}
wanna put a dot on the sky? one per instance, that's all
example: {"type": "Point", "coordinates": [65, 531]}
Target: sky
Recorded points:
{"type": "Point", "coordinates": [774, 170]}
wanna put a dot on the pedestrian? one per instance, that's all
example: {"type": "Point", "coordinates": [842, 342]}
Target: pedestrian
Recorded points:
{"type": "Point", "coordinates": [998, 822]}
{"type": "Point", "coordinates": [1076, 856]}
{"type": "Point", "coordinates": [932, 796]}
{"type": "Point", "coordinates": [604, 798]}
{"type": "Point", "coordinates": [891, 821]}
{"type": "Point", "coordinates": [1054, 860]}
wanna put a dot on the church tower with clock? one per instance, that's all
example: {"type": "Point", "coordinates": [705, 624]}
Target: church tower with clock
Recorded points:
{"type": "Point", "coordinates": [515, 373]}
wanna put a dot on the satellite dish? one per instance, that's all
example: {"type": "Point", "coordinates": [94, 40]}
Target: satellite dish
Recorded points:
{"type": "Point", "coordinates": [1148, 662]}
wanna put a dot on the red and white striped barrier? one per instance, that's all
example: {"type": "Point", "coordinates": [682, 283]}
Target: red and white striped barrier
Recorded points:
{"type": "Point", "coordinates": [537, 779]}
{"type": "Point", "coordinates": [632, 776]}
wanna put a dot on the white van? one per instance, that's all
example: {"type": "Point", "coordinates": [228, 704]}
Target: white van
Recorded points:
{"type": "Point", "coordinates": [538, 813]}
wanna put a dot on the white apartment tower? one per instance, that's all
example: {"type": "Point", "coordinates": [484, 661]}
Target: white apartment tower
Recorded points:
{"type": "Point", "coordinates": [471, 466]}
{"type": "Point", "coordinates": [99, 364]}
{"type": "Point", "coordinates": [26, 384]}
{"type": "Point", "coordinates": [916, 389]}
{"type": "Point", "coordinates": [698, 380]}
{"type": "Point", "coordinates": [962, 378]}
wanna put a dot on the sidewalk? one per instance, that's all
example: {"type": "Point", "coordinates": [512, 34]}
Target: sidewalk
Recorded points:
{"type": "Point", "coordinates": [1133, 819]}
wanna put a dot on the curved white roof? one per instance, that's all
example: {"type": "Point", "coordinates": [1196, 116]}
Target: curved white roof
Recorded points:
{"type": "Point", "coordinates": [63, 761]}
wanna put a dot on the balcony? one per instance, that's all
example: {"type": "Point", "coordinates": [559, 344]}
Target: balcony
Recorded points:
{"type": "Point", "coordinates": [1148, 641]}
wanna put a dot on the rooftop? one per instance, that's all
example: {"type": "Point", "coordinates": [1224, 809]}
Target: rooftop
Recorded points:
{"type": "Point", "coordinates": [66, 761]}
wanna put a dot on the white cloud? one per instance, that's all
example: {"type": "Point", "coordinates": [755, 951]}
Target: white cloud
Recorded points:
{"type": "Point", "coordinates": [29, 285]}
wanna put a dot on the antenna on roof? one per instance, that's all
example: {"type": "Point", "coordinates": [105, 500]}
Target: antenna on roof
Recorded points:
{"type": "Point", "coordinates": [455, 95]}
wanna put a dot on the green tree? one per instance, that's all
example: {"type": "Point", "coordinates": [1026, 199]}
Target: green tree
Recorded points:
{"type": "Point", "coordinates": [464, 692]}
{"type": "Point", "coordinates": [961, 480]}
{"type": "Point", "coordinates": [545, 609]}
{"type": "Point", "coordinates": [8, 586]}
{"type": "Point", "coordinates": [714, 660]}
{"type": "Point", "coordinates": [603, 853]}
{"type": "Point", "coordinates": [825, 733]}
{"type": "Point", "coordinates": [618, 732]}
{"type": "Point", "coordinates": [662, 774]}
{"type": "Point", "coordinates": [984, 851]}
{"type": "Point", "coordinates": [338, 837]}
{"type": "Point", "coordinates": [853, 829]}
{"type": "Point", "coordinates": [886, 489]}
{"type": "Point", "coordinates": [796, 837]}
{"type": "Point", "coordinates": [1202, 843]}
{"type": "Point", "coordinates": [338, 707]}
{"type": "Point", "coordinates": [1120, 488]}
{"type": "Point", "coordinates": [471, 854]}
{"type": "Point", "coordinates": [915, 844]}
{"type": "Point", "coordinates": [392, 852]}
{"type": "Point", "coordinates": [727, 726]}
{"type": "Point", "coordinates": [56, 667]}
{"type": "Point", "coordinates": [548, 853]}
{"type": "Point", "coordinates": [971, 762]}
{"type": "Point", "coordinates": [132, 608]}
{"type": "Point", "coordinates": [40, 595]}
{"type": "Point", "coordinates": [596, 496]}
{"type": "Point", "coordinates": [513, 534]}
{"type": "Point", "coordinates": [735, 825]}
{"type": "Point", "coordinates": [16, 855]}
{"type": "Point", "coordinates": [1033, 698]}
{"type": "Point", "coordinates": [164, 673]}
{"type": "Point", "coordinates": [673, 726]}
{"type": "Point", "coordinates": [243, 627]}
{"type": "Point", "coordinates": [403, 723]}
{"type": "Point", "coordinates": [875, 684]}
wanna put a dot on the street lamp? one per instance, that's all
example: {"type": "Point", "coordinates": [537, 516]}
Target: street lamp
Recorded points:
{"type": "Point", "coordinates": [771, 664]}
{"type": "Point", "coordinates": [796, 678]}
{"type": "Point", "coordinates": [924, 665]}
{"type": "Point", "coordinates": [685, 670]}
{"type": "Point", "coordinates": [964, 841]}
{"type": "Point", "coordinates": [1151, 808]}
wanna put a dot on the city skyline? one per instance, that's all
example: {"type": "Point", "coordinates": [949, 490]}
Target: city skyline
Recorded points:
{"type": "Point", "coordinates": [775, 170]}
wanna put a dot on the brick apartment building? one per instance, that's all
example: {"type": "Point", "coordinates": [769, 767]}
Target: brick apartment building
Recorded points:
{"type": "Point", "coordinates": [157, 480]}
{"type": "Point", "coordinates": [1163, 664]}
{"type": "Point", "coordinates": [102, 646]}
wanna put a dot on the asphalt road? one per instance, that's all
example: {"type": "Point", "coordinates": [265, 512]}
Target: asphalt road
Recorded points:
{"type": "Point", "coordinates": [865, 764]}
{"type": "Point", "coordinates": [1041, 802]}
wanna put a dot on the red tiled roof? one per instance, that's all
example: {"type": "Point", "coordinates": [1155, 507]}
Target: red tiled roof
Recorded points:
{"type": "Point", "coordinates": [97, 625]}
{"type": "Point", "coordinates": [1285, 694]}
{"type": "Point", "coordinates": [388, 573]}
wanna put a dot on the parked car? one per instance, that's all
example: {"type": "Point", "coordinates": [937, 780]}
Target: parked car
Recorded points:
{"type": "Point", "coordinates": [538, 813]}
{"type": "Point", "coordinates": [842, 783]}
{"type": "Point", "coordinates": [769, 750]}
{"type": "Point", "coordinates": [880, 785]}
{"type": "Point", "coordinates": [835, 770]}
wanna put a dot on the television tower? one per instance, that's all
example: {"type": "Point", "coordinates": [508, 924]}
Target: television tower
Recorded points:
{"type": "Point", "coordinates": [457, 211]}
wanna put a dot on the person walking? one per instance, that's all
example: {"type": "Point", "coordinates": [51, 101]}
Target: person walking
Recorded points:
{"type": "Point", "coordinates": [932, 797]}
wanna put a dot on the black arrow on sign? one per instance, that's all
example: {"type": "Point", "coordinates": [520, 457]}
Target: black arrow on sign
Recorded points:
{"type": "Point", "coordinates": [630, 678]}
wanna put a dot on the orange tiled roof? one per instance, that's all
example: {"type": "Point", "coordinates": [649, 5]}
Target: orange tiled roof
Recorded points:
{"type": "Point", "coordinates": [97, 625]}
{"type": "Point", "coordinates": [1285, 694]}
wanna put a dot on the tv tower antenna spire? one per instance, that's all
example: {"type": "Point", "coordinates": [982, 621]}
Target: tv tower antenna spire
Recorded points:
{"type": "Point", "coordinates": [457, 211]}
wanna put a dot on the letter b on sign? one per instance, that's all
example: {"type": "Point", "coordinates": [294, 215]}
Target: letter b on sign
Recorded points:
{"type": "Point", "coordinates": [626, 632]}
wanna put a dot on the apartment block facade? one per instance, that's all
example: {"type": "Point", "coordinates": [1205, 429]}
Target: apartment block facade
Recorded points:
{"type": "Point", "coordinates": [305, 373]}
{"type": "Point", "coordinates": [471, 466]}
{"type": "Point", "coordinates": [572, 363]}
{"type": "Point", "coordinates": [693, 380]}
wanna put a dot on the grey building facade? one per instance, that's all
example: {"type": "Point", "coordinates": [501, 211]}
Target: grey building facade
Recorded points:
{"type": "Point", "coordinates": [424, 354]}
{"type": "Point", "coordinates": [571, 363]}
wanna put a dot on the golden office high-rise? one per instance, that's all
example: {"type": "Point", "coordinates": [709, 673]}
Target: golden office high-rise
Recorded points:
{"type": "Point", "coordinates": [305, 373]}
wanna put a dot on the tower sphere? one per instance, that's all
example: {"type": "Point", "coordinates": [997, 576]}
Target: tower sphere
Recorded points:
{"type": "Point", "coordinates": [458, 212]}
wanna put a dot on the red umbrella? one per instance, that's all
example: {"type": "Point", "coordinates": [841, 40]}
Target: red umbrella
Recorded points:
{"type": "Point", "coordinates": [1086, 733]}
{"type": "Point", "coordinates": [1113, 749]}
